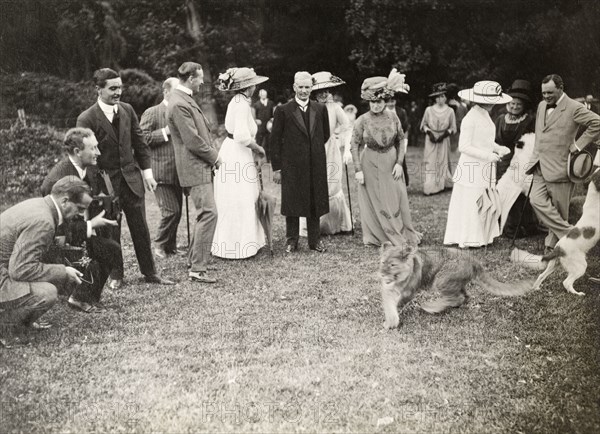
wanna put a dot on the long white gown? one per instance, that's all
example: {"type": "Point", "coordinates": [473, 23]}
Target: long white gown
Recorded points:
{"type": "Point", "coordinates": [239, 233]}
{"type": "Point", "coordinates": [474, 173]}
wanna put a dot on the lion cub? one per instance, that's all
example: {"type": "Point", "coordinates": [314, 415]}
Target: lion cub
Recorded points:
{"type": "Point", "coordinates": [405, 269]}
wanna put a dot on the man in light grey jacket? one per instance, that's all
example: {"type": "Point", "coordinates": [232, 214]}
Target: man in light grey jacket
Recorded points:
{"type": "Point", "coordinates": [195, 158]}
{"type": "Point", "coordinates": [28, 287]}
{"type": "Point", "coordinates": [557, 121]}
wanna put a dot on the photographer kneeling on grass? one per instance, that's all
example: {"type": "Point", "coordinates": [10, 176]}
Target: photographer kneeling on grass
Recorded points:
{"type": "Point", "coordinates": [28, 287]}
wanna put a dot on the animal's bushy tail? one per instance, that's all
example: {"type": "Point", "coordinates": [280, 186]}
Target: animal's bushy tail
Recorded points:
{"type": "Point", "coordinates": [509, 289]}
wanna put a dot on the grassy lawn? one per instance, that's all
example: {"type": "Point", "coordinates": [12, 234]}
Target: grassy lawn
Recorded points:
{"type": "Point", "coordinates": [295, 344]}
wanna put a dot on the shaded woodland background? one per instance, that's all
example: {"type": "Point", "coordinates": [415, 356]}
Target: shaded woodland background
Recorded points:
{"type": "Point", "coordinates": [50, 48]}
{"type": "Point", "coordinates": [59, 43]}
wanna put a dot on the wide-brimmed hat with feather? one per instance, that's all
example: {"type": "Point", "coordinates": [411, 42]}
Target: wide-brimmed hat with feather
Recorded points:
{"type": "Point", "coordinates": [239, 78]}
{"type": "Point", "coordinates": [376, 88]}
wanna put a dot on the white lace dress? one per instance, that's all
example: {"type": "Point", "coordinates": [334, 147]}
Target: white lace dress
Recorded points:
{"type": "Point", "coordinates": [239, 233]}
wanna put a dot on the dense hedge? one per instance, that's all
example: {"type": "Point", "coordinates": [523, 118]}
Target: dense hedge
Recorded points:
{"type": "Point", "coordinates": [58, 102]}
{"type": "Point", "coordinates": [44, 98]}
{"type": "Point", "coordinates": [27, 153]}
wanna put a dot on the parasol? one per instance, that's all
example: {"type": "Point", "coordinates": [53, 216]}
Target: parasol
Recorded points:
{"type": "Point", "coordinates": [265, 209]}
{"type": "Point", "coordinates": [490, 208]}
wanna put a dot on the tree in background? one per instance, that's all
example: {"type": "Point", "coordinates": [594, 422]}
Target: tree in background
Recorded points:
{"type": "Point", "coordinates": [429, 40]}
{"type": "Point", "coordinates": [469, 40]}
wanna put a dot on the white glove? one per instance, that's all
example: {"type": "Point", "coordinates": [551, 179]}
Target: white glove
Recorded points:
{"type": "Point", "coordinates": [503, 150]}
{"type": "Point", "coordinates": [360, 177]}
{"type": "Point", "coordinates": [347, 157]}
{"type": "Point", "coordinates": [493, 157]}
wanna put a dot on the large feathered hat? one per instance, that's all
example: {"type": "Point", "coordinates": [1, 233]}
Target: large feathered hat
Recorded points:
{"type": "Point", "coordinates": [376, 88]}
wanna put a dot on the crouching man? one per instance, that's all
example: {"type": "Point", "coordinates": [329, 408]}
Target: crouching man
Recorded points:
{"type": "Point", "coordinates": [28, 287]}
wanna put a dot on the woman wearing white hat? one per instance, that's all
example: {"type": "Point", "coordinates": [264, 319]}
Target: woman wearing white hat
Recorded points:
{"type": "Point", "coordinates": [239, 233]}
{"type": "Point", "coordinates": [377, 152]}
{"type": "Point", "coordinates": [476, 167]}
{"type": "Point", "coordinates": [338, 219]}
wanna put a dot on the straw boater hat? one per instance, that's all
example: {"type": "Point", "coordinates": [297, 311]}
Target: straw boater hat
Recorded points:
{"type": "Point", "coordinates": [438, 89]}
{"type": "Point", "coordinates": [239, 78]}
{"type": "Point", "coordinates": [376, 88]}
{"type": "Point", "coordinates": [485, 92]}
{"type": "Point", "coordinates": [325, 80]}
{"type": "Point", "coordinates": [520, 89]}
{"type": "Point", "coordinates": [580, 164]}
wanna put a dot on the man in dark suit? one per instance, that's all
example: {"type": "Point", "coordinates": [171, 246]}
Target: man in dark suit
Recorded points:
{"type": "Point", "coordinates": [28, 287]}
{"type": "Point", "coordinates": [557, 122]}
{"type": "Point", "coordinates": [168, 191]}
{"type": "Point", "coordinates": [300, 130]}
{"type": "Point", "coordinates": [263, 109]}
{"type": "Point", "coordinates": [80, 163]}
{"type": "Point", "coordinates": [195, 157]}
{"type": "Point", "coordinates": [124, 152]}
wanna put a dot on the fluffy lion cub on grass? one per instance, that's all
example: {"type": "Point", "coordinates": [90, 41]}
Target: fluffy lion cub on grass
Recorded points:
{"type": "Point", "coordinates": [405, 269]}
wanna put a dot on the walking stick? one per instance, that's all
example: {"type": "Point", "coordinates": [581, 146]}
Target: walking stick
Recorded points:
{"type": "Point", "coordinates": [521, 216]}
{"type": "Point", "coordinates": [349, 200]}
{"type": "Point", "coordinates": [187, 215]}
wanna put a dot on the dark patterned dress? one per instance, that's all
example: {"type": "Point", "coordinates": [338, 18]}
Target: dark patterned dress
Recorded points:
{"type": "Point", "coordinates": [509, 130]}
{"type": "Point", "coordinates": [383, 201]}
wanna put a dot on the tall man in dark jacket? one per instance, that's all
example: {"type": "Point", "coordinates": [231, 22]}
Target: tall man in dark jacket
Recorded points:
{"type": "Point", "coordinates": [80, 162]}
{"type": "Point", "coordinates": [124, 152]}
{"type": "Point", "coordinates": [263, 109]}
{"type": "Point", "coordinates": [300, 130]}
{"type": "Point", "coordinates": [168, 191]}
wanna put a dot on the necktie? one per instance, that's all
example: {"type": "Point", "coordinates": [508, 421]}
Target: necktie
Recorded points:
{"type": "Point", "coordinates": [115, 122]}
{"type": "Point", "coordinates": [550, 106]}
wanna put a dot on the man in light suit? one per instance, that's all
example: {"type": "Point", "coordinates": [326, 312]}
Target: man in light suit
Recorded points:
{"type": "Point", "coordinates": [300, 130]}
{"type": "Point", "coordinates": [28, 287]}
{"type": "Point", "coordinates": [124, 152]}
{"type": "Point", "coordinates": [557, 122]}
{"type": "Point", "coordinates": [195, 157]}
{"type": "Point", "coordinates": [168, 191]}
{"type": "Point", "coordinates": [80, 163]}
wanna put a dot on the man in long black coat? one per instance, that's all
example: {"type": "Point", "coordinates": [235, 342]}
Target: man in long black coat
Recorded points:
{"type": "Point", "coordinates": [300, 130]}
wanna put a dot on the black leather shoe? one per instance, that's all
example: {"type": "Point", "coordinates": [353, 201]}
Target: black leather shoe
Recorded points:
{"type": "Point", "coordinates": [320, 247]}
{"type": "Point", "coordinates": [155, 278]}
{"type": "Point", "coordinates": [290, 248]}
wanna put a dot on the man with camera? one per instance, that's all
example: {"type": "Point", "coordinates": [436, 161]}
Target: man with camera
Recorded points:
{"type": "Point", "coordinates": [28, 286]}
{"type": "Point", "coordinates": [82, 151]}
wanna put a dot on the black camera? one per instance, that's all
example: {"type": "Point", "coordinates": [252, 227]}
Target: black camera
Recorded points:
{"type": "Point", "coordinates": [109, 204]}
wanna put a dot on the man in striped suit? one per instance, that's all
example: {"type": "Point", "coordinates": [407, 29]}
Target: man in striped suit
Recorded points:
{"type": "Point", "coordinates": [168, 191]}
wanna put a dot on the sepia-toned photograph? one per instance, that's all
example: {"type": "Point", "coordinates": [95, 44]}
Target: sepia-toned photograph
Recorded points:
{"type": "Point", "coordinates": [323, 216]}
